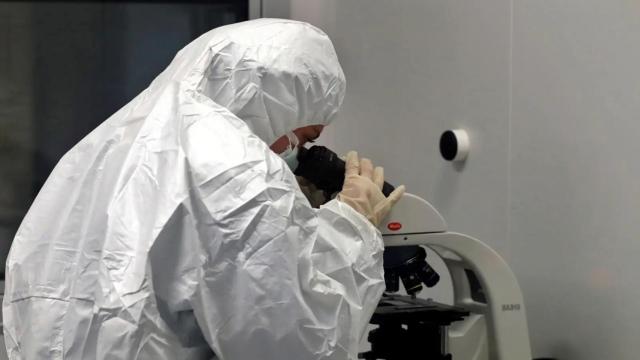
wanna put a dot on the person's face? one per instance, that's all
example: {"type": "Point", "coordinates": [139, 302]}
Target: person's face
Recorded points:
{"type": "Point", "coordinates": [305, 134]}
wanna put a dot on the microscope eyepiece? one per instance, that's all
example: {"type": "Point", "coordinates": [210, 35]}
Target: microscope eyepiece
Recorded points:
{"type": "Point", "coordinates": [325, 169]}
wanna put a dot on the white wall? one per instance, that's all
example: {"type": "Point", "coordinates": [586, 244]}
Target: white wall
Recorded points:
{"type": "Point", "coordinates": [550, 93]}
{"type": "Point", "coordinates": [575, 179]}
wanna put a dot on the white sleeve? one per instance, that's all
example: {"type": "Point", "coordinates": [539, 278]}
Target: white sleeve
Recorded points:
{"type": "Point", "coordinates": [280, 279]}
{"type": "Point", "coordinates": [285, 281]}
{"type": "Point", "coordinates": [348, 251]}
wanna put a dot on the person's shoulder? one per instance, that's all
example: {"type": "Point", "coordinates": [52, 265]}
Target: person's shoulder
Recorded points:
{"type": "Point", "coordinates": [217, 146]}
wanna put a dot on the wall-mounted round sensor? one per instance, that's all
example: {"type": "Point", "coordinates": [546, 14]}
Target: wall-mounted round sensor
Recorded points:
{"type": "Point", "coordinates": [454, 145]}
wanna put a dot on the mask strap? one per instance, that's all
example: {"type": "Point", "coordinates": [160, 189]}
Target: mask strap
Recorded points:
{"type": "Point", "coordinates": [293, 140]}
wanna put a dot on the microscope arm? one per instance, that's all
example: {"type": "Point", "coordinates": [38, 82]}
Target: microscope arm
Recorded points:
{"type": "Point", "coordinates": [508, 334]}
{"type": "Point", "coordinates": [504, 310]}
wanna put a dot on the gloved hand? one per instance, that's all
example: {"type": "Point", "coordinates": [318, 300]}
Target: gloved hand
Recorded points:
{"type": "Point", "coordinates": [362, 189]}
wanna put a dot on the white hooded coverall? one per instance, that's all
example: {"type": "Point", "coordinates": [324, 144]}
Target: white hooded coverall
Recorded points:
{"type": "Point", "coordinates": [172, 231]}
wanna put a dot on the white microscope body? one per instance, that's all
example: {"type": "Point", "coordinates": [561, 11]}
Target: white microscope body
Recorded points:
{"type": "Point", "coordinates": [496, 329]}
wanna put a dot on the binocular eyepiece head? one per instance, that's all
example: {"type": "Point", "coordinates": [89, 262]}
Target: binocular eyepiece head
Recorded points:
{"type": "Point", "coordinates": [325, 169]}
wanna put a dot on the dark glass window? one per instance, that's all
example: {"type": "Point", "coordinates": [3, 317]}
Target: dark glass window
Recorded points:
{"type": "Point", "coordinates": [66, 66]}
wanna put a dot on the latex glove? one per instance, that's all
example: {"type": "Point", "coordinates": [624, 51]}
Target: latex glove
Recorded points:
{"type": "Point", "coordinates": [362, 189]}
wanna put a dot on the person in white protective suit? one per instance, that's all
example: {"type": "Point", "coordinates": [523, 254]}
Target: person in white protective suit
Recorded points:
{"type": "Point", "coordinates": [173, 231]}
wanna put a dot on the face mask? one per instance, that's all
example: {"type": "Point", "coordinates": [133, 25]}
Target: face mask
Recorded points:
{"type": "Point", "coordinates": [290, 156]}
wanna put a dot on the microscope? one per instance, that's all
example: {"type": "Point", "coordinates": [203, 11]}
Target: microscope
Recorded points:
{"type": "Point", "coordinates": [487, 320]}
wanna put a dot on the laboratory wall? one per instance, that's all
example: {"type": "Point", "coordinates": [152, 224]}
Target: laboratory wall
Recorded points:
{"type": "Point", "coordinates": [549, 92]}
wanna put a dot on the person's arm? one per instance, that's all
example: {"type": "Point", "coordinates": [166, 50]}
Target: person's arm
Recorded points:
{"type": "Point", "coordinates": [285, 281]}
{"type": "Point", "coordinates": [281, 280]}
